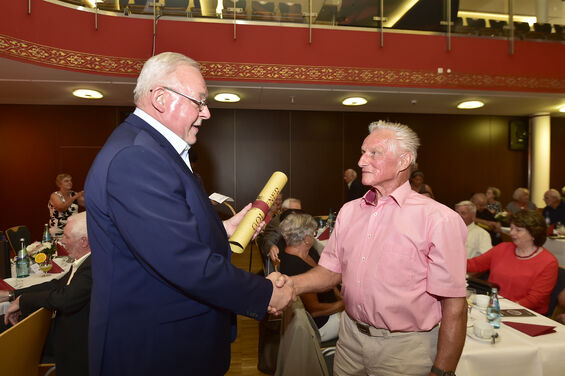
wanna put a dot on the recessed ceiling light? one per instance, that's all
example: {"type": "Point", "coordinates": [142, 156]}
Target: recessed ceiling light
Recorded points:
{"type": "Point", "coordinates": [227, 97]}
{"type": "Point", "coordinates": [469, 105]}
{"type": "Point", "coordinates": [87, 94]}
{"type": "Point", "coordinates": [354, 101]}
{"type": "Point", "coordinates": [562, 108]}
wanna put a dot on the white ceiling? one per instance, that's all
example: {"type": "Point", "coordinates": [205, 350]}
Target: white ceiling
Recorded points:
{"type": "Point", "coordinates": [22, 83]}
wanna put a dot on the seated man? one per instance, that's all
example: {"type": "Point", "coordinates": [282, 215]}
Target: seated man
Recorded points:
{"type": "Point", "coordinates": [69, 296]}
{"type": "Point", "coordinates": [355, 187]}
{"type": "Point", "coordinates": [478, 239]}
{"type": "Point", "coordinates": [555, 209]}
{"type": "Point", "coordinates": [485, 218]}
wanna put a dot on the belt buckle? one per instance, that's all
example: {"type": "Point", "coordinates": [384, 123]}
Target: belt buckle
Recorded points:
{"type": "Point", "coordinates": [363, 329]}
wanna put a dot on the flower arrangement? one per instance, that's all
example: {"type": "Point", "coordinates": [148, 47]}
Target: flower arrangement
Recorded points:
{"type": "Point", "coordinates": [501, 216]}
{"type": "Point", "coordinates": [36, 248]}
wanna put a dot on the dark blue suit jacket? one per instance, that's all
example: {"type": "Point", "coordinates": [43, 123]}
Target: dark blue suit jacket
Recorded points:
{"type": "Point", "coordinates": [164, 290]}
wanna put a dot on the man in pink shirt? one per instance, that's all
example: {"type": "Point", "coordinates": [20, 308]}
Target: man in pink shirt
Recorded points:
{"type": "Point", "coordinates": [400, 257]}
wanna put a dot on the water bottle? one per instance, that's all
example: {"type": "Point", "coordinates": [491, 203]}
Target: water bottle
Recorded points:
{"type": "Point", "coordinates": [22, 261]}
{"type": "Point", "coordinates": [46, 235]}
{"type": "Point", "coordinates": [493, 309]}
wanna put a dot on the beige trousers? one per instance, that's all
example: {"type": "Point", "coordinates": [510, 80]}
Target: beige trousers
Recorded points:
{"type": "Point", "coordinates": [383, 353]}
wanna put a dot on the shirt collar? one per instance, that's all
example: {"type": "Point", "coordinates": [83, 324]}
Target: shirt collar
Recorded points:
{"type": "Point", "coordinates": [178, 143]}
{"type": "Point", "coordinates": [77, 263]}
{"type": "Point", "coordinates": [399, 195]}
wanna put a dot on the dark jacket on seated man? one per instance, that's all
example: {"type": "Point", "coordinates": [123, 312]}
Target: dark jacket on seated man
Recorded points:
{"type": "Point", "coordinates": [69, 330]}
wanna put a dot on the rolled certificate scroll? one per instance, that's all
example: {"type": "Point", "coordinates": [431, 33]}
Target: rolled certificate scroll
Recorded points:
{"type": "Point", "coordinates": [244, 232]}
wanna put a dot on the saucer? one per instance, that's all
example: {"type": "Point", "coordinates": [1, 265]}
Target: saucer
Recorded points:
{"type": "Point", "coordinates": [471, 333]}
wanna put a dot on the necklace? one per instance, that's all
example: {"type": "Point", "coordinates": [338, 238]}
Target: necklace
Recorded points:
{"type": "Point", "coordinates": [527, 256]}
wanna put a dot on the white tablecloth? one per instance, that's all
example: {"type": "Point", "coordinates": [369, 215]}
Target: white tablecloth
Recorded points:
{"type": "Point", "coordinates": [515, 353]}
{"type": "Point", "coordinates": [34, 279]}
{"type": "Point", "coordinates": [557, 247]}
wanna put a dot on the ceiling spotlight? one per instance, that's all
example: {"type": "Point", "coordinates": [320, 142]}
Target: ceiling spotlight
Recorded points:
{"type": "Point", "coordinates": [562, 108]}
{"type": "Point", "coordinates": [227, 97]}
{"type": "Point", "coordinates": [354, 101]}
{"type": "Point", "coordinates": [87, 94]}
{"type": "Point", "coordinates": [469, 105]}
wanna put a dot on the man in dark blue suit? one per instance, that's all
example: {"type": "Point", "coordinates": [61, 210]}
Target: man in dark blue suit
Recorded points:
{"type": "Point", "coordinates": [164, 292]}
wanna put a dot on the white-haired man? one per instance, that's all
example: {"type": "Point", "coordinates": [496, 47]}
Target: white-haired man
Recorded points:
{"type": "Point", "coordinates": [69, 296]}
{"type": "Point", "coordinates": [355, 189]}
{"type": "Point", "coordinates": [478, 239]}
{"type": "Point", "coordinates": [555, 209]}
{"type": "Point", "coordinates": [164, 293]}
{"type": "Point", "coordinates": [400, 257]}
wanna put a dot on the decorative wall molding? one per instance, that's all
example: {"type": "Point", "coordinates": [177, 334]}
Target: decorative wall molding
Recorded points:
{"type": "Point", "coordinates": [80, 61]}
{"type": "Point", "coordinates": [54, 57]}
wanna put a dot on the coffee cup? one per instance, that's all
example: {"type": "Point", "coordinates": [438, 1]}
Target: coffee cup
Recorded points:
{"type": "Point", "coordinates": [483, 329]}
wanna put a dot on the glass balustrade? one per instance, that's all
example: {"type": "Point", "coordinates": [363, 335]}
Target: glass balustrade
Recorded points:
{"type": "Point", "coordinates": [509, 19]}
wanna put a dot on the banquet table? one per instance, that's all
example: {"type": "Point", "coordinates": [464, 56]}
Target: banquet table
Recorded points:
{"type": "Point", "coordinates": [557, 247]}
{"type": "Point", "coordinates": [35, 279]}
{"type": "Point", "coordinates": [514, 353]}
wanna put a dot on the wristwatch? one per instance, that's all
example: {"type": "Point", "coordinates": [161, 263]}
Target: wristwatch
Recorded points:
{"type": "Point", "coordinates": [440, 372]}
{"type": "Point", "coordinates": [11, 296]}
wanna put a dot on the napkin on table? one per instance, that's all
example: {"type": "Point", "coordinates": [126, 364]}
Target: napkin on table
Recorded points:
{"type": "Point", "coordinates": [325, 235]}
{"type": "Point", "coordinates": [532, 330]}
{"type": "Point", "coordinates": [56, 268]}
{"type": "Point", "coordinates": [61, 250]}
{"type": "Point", "coordinates": [5, 286]}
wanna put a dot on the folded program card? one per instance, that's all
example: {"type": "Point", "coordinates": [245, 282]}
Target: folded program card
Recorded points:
{"type": "Point", "coordinates": [515, 312]}
{"type": "Point", "coordinates": [533, 330]}
{"type": "Point", "coordinates": [219, 198]}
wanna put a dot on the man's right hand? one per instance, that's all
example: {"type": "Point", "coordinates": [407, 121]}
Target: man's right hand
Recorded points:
{"type": "Point", "coordinates": [283, 293]}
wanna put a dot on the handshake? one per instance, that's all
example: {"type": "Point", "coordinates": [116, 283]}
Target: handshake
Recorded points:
{"type": "Point", "coordinates": [284, 292]}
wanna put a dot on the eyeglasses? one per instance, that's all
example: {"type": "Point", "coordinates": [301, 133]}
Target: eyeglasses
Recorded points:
{"type": "Point", "coordinates": [199, 103]}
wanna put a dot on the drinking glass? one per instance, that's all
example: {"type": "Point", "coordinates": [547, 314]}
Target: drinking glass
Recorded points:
{"type": "Point", "coordinates": [471, 293]}
{"type": "Point", "coordinates": [45, 267]}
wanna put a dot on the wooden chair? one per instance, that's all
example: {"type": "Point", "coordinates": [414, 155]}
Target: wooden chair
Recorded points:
{"type": "Point", "coordinates": [5, 270]}
{"type": "Point", "coordinates": [22, 344]}
{"type": "Point", "coordinates": [14, 234]}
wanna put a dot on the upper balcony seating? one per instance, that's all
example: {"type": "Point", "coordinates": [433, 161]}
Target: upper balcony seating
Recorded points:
{"type": "Point", "coordinates": [237, 8]}
{"type": "Point", "coordinates": [263, 10]}
{"type": "Point", "coordinates": [291, 12]}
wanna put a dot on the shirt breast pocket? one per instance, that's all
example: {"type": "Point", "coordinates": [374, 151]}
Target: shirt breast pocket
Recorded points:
{"type": "Point", "coordinates": [395, 266]}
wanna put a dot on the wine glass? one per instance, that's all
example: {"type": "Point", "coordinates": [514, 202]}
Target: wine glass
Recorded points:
{"type": "Point", "coordinates": [45, 266]}
{"type": "Point", "coordinates": [471, 293]}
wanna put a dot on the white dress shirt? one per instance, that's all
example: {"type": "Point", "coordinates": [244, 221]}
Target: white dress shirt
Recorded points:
{"type": "Point", "coordinates": [178, 143]}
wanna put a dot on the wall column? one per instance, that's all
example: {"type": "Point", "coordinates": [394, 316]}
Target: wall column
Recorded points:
{"type": "Point", "coordinates": [540, 143]}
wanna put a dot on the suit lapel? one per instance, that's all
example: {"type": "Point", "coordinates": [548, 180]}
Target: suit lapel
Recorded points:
{"type": "Point", "coordinates": [161, 140]}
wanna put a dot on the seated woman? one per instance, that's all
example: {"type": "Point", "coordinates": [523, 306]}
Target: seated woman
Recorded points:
{"type": "Point", "coordinates": [525, 271]}
{"type": "Point", "coordinates": [493, 205]}
{"type": "Point", "coordinates": [298, 230]}
{"type": "Point", "coordinates": [418, 185]}
{"type": "Point", "coordinates": [520, 201]}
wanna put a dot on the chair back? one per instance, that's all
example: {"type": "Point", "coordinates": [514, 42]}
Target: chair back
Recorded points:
{"type": "Point", "coordinates": [23, 343]}
{"type": "Point", "coordinates": [559, 286]}
{"type": "Point", "coordinates": [14, 234]}
{"type": "Point", "coordinates": [5, 269]}
{"type": "Point", "coordinates": [299, 349]}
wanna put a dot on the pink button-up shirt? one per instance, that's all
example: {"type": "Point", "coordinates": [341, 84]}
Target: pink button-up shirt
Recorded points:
{"type": "Point", "coordinates": [396, 258]}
